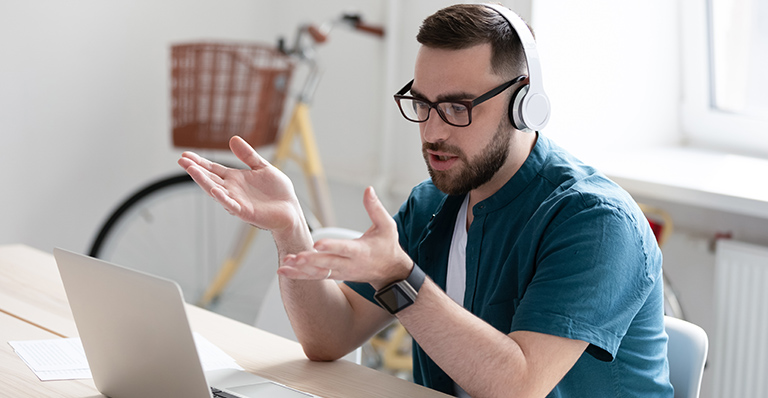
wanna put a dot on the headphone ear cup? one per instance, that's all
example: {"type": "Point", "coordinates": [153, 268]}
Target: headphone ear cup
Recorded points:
{"type": "Point", "coordinates": [516, 109]}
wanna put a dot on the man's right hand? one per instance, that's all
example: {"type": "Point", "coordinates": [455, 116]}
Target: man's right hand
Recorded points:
{"type": "Point", "coordinates": [262, 195]}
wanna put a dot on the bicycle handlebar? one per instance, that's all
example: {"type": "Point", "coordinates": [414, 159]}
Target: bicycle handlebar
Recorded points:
{"type": "Point", "coordinates": [357, 22]}
{"type": "Point", "coordinates": [304, 49]}
{"type": "Point", "coordinates": [376, 30]}
{"type": "Point", "coordinates": [318, 36]}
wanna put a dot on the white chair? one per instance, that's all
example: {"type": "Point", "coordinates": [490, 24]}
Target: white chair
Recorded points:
{"type": "Point", "coordinates": [272, 316]}
{"type": "Point", "coordinates": [687, 353]}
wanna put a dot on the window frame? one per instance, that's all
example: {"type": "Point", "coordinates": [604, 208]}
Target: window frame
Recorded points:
{"type": "Point", "coordinates": [702, 125]}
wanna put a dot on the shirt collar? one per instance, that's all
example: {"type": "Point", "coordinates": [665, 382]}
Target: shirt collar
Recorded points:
{"type": "Point", "coordinates": [517, 184]}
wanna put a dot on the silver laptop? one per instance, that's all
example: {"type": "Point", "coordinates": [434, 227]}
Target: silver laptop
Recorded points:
{"type": "Point", "coordinates": [137, 338]}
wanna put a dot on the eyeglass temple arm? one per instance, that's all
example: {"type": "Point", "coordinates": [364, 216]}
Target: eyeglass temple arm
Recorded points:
{"type": "Point", "coordinates": [405, 88]}
{"type": "Point", "coordinates": [497, 90]}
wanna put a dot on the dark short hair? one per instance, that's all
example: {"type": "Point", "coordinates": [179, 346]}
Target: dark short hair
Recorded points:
{"type": "Point", "coordinates": [462, 26]}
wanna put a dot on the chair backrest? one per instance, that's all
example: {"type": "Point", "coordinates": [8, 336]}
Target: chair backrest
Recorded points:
{"type": "Point", "coordinates": [272, 316]}
{"type": "Point", "coordinates": [687, 353]}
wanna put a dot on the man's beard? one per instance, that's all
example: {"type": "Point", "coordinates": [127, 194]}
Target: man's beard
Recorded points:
{"type": "Point", "coordinates": [477, 171]}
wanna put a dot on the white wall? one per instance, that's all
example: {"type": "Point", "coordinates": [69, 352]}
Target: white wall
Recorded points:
{"type": "Point", "coordinates": [84, 104]}
{"type": "Point", "coordinates": [84, 98]}
{"type": "Point", "coordinates": [612, 72]}
{"type": "Point", "coordinates": [84, 95]}
{"type": "Point", "coordinates": [85, 114]}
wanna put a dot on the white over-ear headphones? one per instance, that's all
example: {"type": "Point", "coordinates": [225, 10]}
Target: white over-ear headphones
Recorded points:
{"type": "Point", "coordinates": [529, 108]}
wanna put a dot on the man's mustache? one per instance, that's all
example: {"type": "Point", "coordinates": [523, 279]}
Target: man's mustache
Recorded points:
{"type": "Point", "coordinates": [442, 147]}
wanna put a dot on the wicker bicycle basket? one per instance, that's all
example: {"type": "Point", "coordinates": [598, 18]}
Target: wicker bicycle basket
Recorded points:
{"type": "Point", "coordinates": [224, 89]}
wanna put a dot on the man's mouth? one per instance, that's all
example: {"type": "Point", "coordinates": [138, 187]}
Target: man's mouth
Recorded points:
{"type": "Point", "coordinates": [441, 161]}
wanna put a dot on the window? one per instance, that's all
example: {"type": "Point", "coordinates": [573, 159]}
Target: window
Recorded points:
{"type": "Point", "coordinates": [739, 56]}
{"type": "Point", "coordinates": [725, 59]}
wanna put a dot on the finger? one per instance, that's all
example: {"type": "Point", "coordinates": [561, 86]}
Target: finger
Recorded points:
{"type": "Point", "coordinates": [203, 178]}
{"type": "Point", "coordinates": [307, 265]}
{"type": "Point", "coordinates": [376, 211]}
{"type": "Point", "coordinates": [217, 171]}
{"type": "Point", "coordinates": [201, 172]}
{"type": "Point", "coordinates": [315, 263]}
{"type": "Point", "coordinates": [221, 196]}
{"type": "Point", "coordinates": [186, 161]}
{"type": "Point", "coordinates": [296, 273]}
{"type": "Point", "coordinates": [340, 247]}
{"type": "Point", "coordinates": [200, 177]}
{"type": "Point", "coordinates": [287, 270]}
{"type": "Point", "coordinates": [246, 153]}
{"type": "Point", "coordinates": [191, 156]}
{"type": "Point", "coordinates": [189, 160]}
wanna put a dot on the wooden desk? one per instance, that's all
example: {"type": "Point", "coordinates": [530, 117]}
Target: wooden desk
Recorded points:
{"type": "Point", "coordinates": [18, 380]}
{"type": "Point", "coordinates": [33, 305]}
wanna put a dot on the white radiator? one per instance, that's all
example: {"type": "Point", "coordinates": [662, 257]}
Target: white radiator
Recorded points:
{"type": "Point", "coordinates": [740, 349]}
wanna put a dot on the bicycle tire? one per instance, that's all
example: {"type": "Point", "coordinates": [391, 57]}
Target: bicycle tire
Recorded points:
{"type": "Point", "coordinates": [171, 228]}
{"type": "Point", "coordinates": [104, 231]}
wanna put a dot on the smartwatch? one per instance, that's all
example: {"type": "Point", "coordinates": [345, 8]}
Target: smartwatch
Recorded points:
{"type": "Point", "coordinates": [399, 295]}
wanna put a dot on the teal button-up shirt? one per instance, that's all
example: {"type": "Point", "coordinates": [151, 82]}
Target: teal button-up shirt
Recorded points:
{"type": "Point", "coordinates": [561, 250]}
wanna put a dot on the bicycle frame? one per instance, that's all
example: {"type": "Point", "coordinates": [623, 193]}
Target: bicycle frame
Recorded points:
{"type": "Point", "coordinates": [298, 127]}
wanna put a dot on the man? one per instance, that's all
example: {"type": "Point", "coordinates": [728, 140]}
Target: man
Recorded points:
{"type": "Point", "coordinates": [543, 276]}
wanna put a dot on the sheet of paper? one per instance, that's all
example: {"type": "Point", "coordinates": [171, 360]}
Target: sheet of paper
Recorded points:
{"type": "Point", "coordinates": [213, 357]}
{"type": "Point", "coordinates": [54, 359]}
{"type": "Point", "coordinates": [64, 359]}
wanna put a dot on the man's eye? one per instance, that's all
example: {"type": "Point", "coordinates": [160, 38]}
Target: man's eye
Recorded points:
{"type": "Point", "coordinates": [454, 109]}
{"type": "Point", "coordinates": [420, 106]}
{"type": "Point", "coordinates": [458, 109]}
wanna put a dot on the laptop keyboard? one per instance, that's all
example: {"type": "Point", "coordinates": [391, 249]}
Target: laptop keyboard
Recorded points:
{"type": "Point", "coordinates": [222, 394]}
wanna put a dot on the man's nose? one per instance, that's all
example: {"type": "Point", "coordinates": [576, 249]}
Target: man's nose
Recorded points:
{"type": "Point", "coordinates": [435, 129]}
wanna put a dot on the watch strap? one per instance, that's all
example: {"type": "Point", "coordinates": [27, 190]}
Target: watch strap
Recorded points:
{"type": "Point", "coordinates": [416, 277]}
{"type": "Point", "coordinates": [401, 294]}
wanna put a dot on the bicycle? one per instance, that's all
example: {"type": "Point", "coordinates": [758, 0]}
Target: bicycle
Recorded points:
{"type": "Point", "coordinates": [171, 228]}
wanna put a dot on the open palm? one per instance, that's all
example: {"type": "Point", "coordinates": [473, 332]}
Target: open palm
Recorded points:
{"type": "Point", "coordinates": [261, 195]}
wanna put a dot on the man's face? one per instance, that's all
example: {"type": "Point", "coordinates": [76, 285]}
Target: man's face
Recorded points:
{"type": "Point", "coordinates": [461, 159]}
{"type": "Point", "coordinates": [473, 172]}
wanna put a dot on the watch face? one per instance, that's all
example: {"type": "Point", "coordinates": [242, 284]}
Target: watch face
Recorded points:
{"type": "Point", "coordinates": [394, 299]}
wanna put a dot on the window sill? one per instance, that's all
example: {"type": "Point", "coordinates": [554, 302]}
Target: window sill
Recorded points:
{"type": "Point", "coordinates": [690, 176]}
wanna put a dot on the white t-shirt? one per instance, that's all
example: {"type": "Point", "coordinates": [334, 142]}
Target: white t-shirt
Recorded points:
{"type": "Point", "coordinates": [456, 280]}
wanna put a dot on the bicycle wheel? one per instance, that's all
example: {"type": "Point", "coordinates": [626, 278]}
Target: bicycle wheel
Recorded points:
{"type": "Point", "coordinates": [171, 228]}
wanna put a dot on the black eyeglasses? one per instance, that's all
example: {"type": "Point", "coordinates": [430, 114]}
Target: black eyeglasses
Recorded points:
{"type": "Point", "coordinates": [455, 113]}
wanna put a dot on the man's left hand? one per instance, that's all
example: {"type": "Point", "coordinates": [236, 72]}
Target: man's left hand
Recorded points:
{"type": "Point", "coordinates": [375, 258]}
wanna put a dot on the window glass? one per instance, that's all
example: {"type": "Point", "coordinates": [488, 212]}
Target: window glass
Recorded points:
{"type": "Point", "coordinates": [739, 56]}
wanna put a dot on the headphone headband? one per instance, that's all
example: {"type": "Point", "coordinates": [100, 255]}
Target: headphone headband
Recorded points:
{"type": "Point", "coordinates": [533, 107]}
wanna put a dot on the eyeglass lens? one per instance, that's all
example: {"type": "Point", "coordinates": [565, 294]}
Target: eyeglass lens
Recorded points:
{"type": "Point", "coordinates": [418, 111]}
